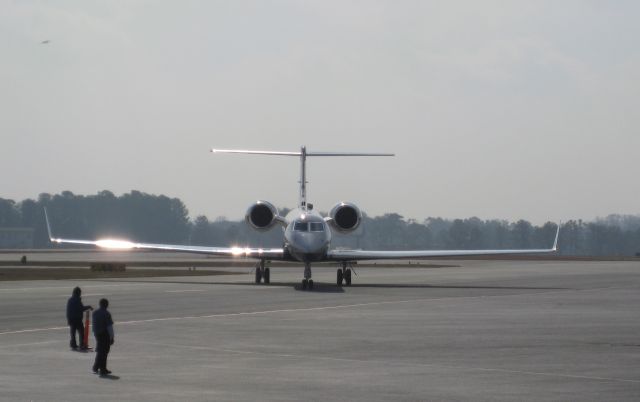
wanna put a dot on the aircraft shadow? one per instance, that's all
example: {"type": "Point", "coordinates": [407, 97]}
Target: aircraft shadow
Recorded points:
{"type": "Point", "coordinates": [317, 287]}
{"type": "Point", "coordinates": [427, 286]}
{"type": "Point", "coordinates": [325, 287]}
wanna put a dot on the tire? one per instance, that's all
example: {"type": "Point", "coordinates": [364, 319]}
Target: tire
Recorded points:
{"type": "Point", "coordinates": [267, 275]}
{"type": "Point", "coordinates": [347, 277]}
{"type": "Point", "coordinates": [339, 277]}
{"type": "Point", "coordinates": [310, 284]}
{"type": "Point", "coordinates": [258, 275]}
{"type": "Point", "coordinates": [304, 284]}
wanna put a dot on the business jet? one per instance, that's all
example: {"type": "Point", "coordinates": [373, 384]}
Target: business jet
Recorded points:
{"type": "Point", "coordinates": [307, 234]}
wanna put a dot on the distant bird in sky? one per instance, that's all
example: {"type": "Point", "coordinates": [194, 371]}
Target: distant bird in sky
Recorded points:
{"type": "Point", "coordinates": [44, 42]}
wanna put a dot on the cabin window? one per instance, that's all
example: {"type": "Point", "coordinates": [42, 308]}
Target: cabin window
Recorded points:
{"type": "Point", "coordinates": [301, 226]}
{"type": "Point", "coordinates": [316, 226]}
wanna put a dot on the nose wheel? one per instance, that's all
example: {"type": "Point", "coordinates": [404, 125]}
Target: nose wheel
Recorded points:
{"type": "Point", "coordinates": [307, 282]}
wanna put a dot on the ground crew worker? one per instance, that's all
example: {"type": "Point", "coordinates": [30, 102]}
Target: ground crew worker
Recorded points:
{"type": "Point", "coordinates": [103, 331]}
{"type": "Point", "coordinates": [75, 308]}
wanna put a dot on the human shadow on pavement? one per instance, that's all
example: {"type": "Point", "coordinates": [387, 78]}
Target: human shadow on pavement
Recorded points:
{"type": "Point", "coordinates": [109, 377]}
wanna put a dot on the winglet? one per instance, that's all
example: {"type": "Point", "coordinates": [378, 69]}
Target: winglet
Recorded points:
{"type": "Point", "coordinates": [46, 217]}
{"type": "Point", "coordinates": [555, 242]}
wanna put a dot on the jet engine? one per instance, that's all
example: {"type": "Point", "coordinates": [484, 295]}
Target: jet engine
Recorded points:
{"type": "Point", "coordinates": [261, 215]}
{"type": "Point", "coordinates": [345, 217]}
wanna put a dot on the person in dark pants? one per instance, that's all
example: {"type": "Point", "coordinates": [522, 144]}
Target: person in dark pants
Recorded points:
{"type": "Point", "coordinates": [75, 308]}
{"type": "Point", "coordinates": [103, 331]}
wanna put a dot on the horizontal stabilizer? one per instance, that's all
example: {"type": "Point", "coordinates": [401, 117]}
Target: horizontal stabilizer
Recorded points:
{"type": "Point", "coordinates": [286, 153]}
{"type": "Point", "coordinates": [244, 151]}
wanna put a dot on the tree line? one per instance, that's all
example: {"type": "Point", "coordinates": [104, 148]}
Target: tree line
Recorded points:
{"type": "Point", "coordinates": [161, 219]}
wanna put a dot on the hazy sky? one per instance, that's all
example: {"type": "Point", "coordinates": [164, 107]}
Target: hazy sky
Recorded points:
{"type": "Point", "coordinates": [495, 109]}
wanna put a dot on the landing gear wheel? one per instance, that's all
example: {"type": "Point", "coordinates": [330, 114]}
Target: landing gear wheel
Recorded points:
{"type": "Point", "coordinates": [258, 275]}
{"type": "Point", "coordinates": [339, 277]}
{"type": "Point", "coordinates": [347, 277]}
{"type": "Point", "coordinates": [304, 284]}
{"type": "Point", "coordinates": [310, 284]}
{"type": "Point", "coordinates": [267, 275]}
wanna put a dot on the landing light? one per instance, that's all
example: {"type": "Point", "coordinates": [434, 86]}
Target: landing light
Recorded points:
{"type": "Point", "coordinates": [240, 250]}
{"type": "Point", "coordinates": [115, 244]}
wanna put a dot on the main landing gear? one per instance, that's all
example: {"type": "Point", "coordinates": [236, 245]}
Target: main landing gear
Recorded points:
{"type": "Point", "coordinates": [262, 272]}
{"type": "Point", "coordinates": [343, 274]}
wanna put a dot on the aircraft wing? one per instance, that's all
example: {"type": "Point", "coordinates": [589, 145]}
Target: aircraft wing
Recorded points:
{"type": "Point", "coordinates": [355, 255]}
{"type": "Point", "coordinates": [116, 244]}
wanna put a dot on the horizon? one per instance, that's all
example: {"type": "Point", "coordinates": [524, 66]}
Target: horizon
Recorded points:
{"type": "Point", "coordinates": [230, 218]}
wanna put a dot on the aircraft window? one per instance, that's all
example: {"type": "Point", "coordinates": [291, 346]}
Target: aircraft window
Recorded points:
{"type": "Point", "coordinates": [301, 226]}
{"type": "Point", "coordinates": [316, 226]}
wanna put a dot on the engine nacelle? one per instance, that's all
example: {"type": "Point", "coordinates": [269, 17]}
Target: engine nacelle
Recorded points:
{"type": "Point", "coordinates": [345, 217]}
{"type": "Point", "coordinates": [262, 215]}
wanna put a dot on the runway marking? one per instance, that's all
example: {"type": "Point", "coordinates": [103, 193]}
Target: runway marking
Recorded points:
{"type": "Point", "coordinates": [185, 291]}
{"type": "Point", "coordinates": [383, 362]}
{"type": "Point", "coordinates": [26, 344]}
{"type": "Point", "coordinates": [290, 310]}
{"type": "Point", "coordinates": [25, 331]}
{"type": "Point", "coordinates": [61, 287]}
{"type": "Point", "coordinates": [222, 315]}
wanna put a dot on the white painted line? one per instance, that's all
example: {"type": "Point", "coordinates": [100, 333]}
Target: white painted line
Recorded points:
{"type": "Point", "coordinates": [223, 315]}
{"type": "Point", "coordinates": [253, 313]}
{"type": "Point", "coordinates": [415, 364]}
{"type": "Point", "coordinates": [289, 310]}
{"type": "Point", "coordinates": [185, 291]}
{"type": "Point", "coordinates": [64, 287]}
{"type": "Point", "coordinates": [26, 344]}
{"type": "Point", "coordinates": [24, 331]}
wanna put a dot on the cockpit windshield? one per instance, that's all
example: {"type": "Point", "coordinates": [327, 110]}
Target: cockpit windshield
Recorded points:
{"type": "Point", "coordinates": [316, 226]}
{"type": "Point", "coordinates": [300, 226]}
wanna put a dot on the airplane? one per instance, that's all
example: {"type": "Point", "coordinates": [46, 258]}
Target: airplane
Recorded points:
{"type": "Point", "coordinates": [307, 234]}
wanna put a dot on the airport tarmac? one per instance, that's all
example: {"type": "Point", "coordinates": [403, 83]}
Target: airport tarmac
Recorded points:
{"type": "Point", "coordinates": [483, 331]}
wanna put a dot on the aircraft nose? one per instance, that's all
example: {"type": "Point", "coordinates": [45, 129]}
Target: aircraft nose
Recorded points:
{"type": "Point", "coordinates": [307, 243]}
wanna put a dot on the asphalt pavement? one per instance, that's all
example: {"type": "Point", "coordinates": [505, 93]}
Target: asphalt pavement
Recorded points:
{"type": "Point", "coordinates": [483, 331]}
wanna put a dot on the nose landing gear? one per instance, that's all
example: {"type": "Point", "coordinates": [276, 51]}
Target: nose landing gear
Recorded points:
{"type": "Point", "coordinates": [307, 282]}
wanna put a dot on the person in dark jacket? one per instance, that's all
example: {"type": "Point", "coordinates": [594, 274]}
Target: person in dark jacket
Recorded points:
{"type": "Point", "coordinates": [103, 331]}
{"type": "Point", "coordinates": [75, 308]}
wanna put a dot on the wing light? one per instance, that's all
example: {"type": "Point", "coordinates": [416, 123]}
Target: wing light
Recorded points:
{"type": "Point", "coordinates": [240, 251]}
{"type": "Point", "coordinates": [115, 244]}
